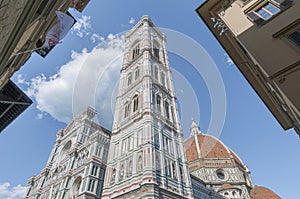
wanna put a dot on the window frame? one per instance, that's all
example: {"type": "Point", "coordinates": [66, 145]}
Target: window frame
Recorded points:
{"type": "Point", "coordinates": [253, 14]}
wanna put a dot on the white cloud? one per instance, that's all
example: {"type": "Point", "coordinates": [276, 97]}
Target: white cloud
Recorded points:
{"type": "Point", "coordinates": [131, 21]}
{"type": "Point", "coordinates": [88, 79]}
{"type": "Point", "coordinates": [83, 26]}
{"type": "Point", "coordinates": [7, 192]}
{"type": "Point", "coordinates": [229, 61]}
{"type": "Point", "coordinates": [21, 80]}
{"type": "Point", "coordinates": [96, 38]}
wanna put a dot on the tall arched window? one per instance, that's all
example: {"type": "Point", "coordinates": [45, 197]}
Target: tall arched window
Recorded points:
{"type": "Point", "coordinates": [135, 103]}
{"type": "Point", "coordinates": [135, 51]}
{"type": "Point", "coordinates": [158, 103]}
{"type": "Point", "coordinates": [167, 113]}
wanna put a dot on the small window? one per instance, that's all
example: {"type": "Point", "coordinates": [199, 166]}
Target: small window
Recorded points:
{"type": "Point", "coordinates": [295, 37]}
{"type": "Point", "coordinates": [220, 175]}
{"type": "Point", "coordinates": [135, 103]}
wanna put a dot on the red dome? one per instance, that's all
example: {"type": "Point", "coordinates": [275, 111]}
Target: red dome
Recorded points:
{"type": "Point", "coordinates": [259, 192]}
{"type": "Point", "coordinates": [210, 147]}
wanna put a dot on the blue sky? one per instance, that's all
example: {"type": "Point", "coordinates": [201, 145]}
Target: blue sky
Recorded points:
{"type": "Point", "coordinates": [68, 80]}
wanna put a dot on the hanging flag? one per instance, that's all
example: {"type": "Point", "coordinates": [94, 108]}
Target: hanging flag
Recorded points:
{"type": "Point", "coordinates": [59, 30]}
{"type": "Point", "coordinates": [74, 2]}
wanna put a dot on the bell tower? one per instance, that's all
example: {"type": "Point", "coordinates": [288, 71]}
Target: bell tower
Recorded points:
{"type": "Point", "coordinates": [146, 156]}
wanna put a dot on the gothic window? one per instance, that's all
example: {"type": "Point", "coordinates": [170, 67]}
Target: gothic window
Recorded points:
{"type": "Point", "coordinates": [158, 102]}
{"type": "Point", "coordinates": [76, 187]}
{"type": "Point", "coordinates": [65, 150]}
{"type": "Point", "coordinates": [94, 170]}
{"type": "Point", "coordinates": [135, 103]}
{"type": "Point", "coordinates": [167, 114]}
{"type": "Point", "coordinates": [91, 185]}
{"type": "Point", "coordinates": [174, 170]}
{"type": "Point", "coordinates": [181, 174]}
{"type": "Point", "coordinates": [129, 173]}
{"type": "Point", "coordinates": [121, 173]}
{"type": "Point", "coordinates": [140, 163]}
{"type": "Point", "coordinates": [137, 74]}
{"type": "Point", "coordinates": [113, 176]}
{"type": "Point", "coordinates": [135, 51]}
{"type": "Point", "coordinates": [156, 52]}
{"type": "Point", "coordinates": [129, 79]}
{"type": "Point", "coordinates": [98, 150]}
{"type": "Point", "coordinates": [127, 110]}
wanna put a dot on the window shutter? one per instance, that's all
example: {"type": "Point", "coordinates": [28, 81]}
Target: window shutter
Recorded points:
{"type": "Point", "coordinates": [254, 17]}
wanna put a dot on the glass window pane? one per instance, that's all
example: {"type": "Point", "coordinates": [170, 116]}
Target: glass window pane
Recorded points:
{"type": "Point", "coordinates": [274, 10]}
{"type": "Point", "coordinates": [265, 15]}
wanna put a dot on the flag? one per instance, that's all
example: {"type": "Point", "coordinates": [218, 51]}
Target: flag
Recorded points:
{"type": "Point", "coordinates": [59, 30]}
{"type": "Point", "coordinates": [74, 2]}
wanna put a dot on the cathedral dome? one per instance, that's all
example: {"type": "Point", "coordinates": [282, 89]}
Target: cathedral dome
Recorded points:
{"type": "Point", "coordinates": [208, 147]}
{"type": "Point", "coordinates": [259, 192]}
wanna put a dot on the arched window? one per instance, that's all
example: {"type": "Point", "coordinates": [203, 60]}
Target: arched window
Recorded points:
{"type": "Point", "coordinates": [174, 170]}
{"type": "Point", "coordinates": [158, 102]}
{"type": "Point", "coordinates": [65, 150]}
{"type": "Point", "coordinates": [135, 103]}
{"type": "Point", "coordinates": [135, 51]}
{"type": "Point", "coordinates": [127, 110]}
{"type": "Point", "coordinates": [167, 113]}
{"type": "Point", "coordinates": [76, 187]}
{"type": "Point", "coordinates": [129, 79]}
{"type": "Point", "coordinates": [155, 49]}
